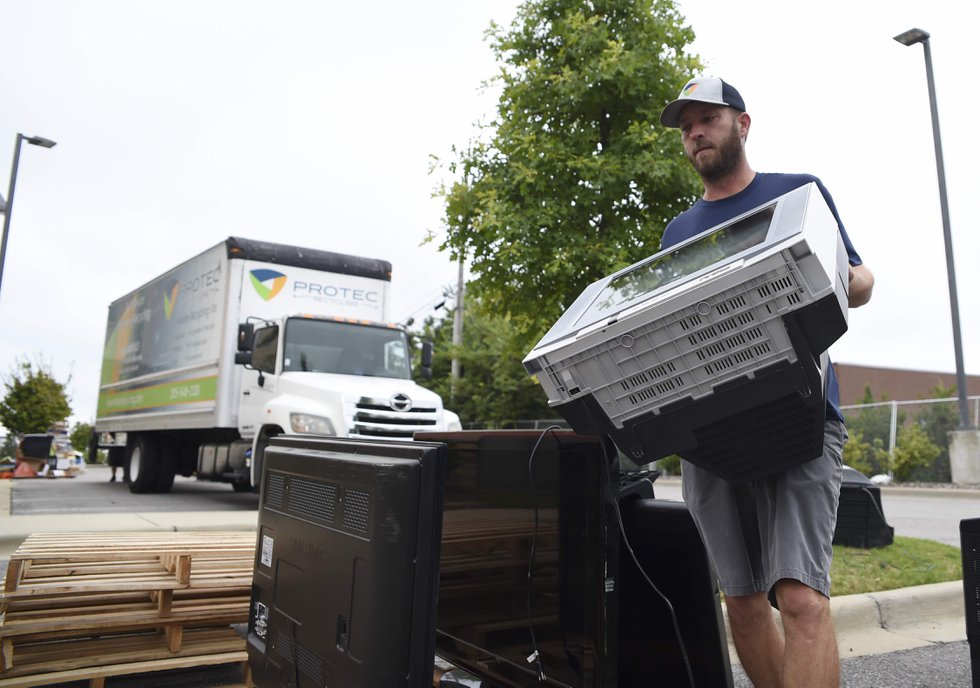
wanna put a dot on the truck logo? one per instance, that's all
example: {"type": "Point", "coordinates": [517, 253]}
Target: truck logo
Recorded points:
{"type": "Point", "coordinates": [267, 283]}
{"type": "Point", "coordinates": [400, 402]}
{"type": "Point", "coordinates": [170, 298]}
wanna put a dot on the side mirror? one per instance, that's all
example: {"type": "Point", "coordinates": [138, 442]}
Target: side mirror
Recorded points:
{"type": "Point", "coordinates": [426, 363]}
{"type": "Point", "coordinates": [246, 335]}
{"type": "Point", "coordinates": [243, 358]}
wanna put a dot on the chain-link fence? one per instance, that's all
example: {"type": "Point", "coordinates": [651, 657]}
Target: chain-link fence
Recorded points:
{"type": "Point", "coordinates": [905, 439]}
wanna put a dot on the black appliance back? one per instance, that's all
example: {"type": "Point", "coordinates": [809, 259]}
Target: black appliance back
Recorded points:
{"type": "Point", "coordinates": [591, 616]}
{"type": "Point", "coordinates": [668, 547]}
{"type": "Point", "coordinates": [346, 571]}
{"type": "Point", "coordinates": [528, 590]}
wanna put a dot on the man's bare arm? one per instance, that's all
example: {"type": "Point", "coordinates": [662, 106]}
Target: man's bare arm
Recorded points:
{"type": "Point", "coordinates": [860, 284]}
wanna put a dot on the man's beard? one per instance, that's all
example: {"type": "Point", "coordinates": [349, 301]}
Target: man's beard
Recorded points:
{"type": "Point", "coordinates": [727, 155]}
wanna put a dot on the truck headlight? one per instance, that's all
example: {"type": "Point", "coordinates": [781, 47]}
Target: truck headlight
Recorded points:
{"type": "Point", "coordinates": [305, 423]}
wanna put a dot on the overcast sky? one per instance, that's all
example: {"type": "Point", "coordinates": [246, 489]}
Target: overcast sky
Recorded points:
{"type": "Point", "coordinates": [311, 123]}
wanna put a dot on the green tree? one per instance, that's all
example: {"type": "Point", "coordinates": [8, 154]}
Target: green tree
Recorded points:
{"type": "Point", "coordinates": [81, 436]}
{"type": "Point", "coordinates": [867, 457]}
{"type": "Point", "coordinates": [869, 429]}
{"type": "Point", "coordinates": [34, 398]}
{"type": "Point", "coordinates": [913, 449]}
{"type": "Point", "coordinates": [493, 388]}
{"type": "Point", "coordinates": [574, 177]}
{"type": "Point", "coordinates": [9, 447]}
{"type": "Point", "coordinates": [937, 420]}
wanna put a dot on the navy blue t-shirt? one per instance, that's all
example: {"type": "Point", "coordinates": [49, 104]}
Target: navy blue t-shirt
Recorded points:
{"type": "Point", "coordinates": [765, 187]}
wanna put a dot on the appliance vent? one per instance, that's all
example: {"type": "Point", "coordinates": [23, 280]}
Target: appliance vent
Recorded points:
{"type": "Point", "coordinates": [357, 508]}
{"type": "Point", "coordinates": [307, 661]}
{"type": "Point", "coordinates": [649, 375]}
{"type": "Point", "coordinates": [742, 446]}
{"type": "Point", "coordinates": [312, 500]}
{"type": "Point", "coordinates": [275, 490]}
{"type": "Point", "coordinates": [687, 354]}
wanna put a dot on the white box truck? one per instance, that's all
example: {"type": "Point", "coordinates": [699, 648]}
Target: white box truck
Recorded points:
{"type": "Point", "coordinates": [245, 341]}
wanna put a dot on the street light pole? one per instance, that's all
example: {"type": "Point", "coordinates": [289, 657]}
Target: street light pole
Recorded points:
{"type": "Point", "coordinates": [9, 206]}
{"type": "Point", "coordinates": [911, 37]}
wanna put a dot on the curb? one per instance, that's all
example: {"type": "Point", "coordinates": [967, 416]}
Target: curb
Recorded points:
{"type": "Point", "coordinates": [892, 620]}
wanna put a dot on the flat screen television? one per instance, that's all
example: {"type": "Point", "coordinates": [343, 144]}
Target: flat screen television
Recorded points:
{"type": "Point", "coordinates": [714, 349]}
{"type": "Point", "coordinates": [346, 571]}
{"type": "Point", "coordinates": [536, 588]}
{"type": "Point", "coordinates": [529, 559]}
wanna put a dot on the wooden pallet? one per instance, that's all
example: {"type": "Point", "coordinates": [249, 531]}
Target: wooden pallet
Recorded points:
{"type": "Point", "coordinates": [94, 659]}
{"type": "Point", "coordinates": [87, 604]}
{"type": "Point", "coordinates": [51, 564]}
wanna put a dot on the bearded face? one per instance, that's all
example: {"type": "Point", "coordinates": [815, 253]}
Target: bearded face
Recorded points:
{"type": "Point", "coordinates": [715, 159]}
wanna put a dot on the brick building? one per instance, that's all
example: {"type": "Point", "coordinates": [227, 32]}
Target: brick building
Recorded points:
{"type": "Point", "coordinates": [894, 384]}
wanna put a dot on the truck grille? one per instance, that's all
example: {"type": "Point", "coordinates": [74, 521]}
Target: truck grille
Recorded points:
{"type": "Point", "coordinates": [395, 418]}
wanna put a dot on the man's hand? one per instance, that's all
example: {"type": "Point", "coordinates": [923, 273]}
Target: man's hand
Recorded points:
{"type": "Point", "coordinates": [860, 283]}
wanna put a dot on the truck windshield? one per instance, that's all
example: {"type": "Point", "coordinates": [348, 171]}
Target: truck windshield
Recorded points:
{"type": "Point", "coordinates": [325, 346]}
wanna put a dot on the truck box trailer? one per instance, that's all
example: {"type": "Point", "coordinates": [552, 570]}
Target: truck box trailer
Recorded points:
{"type": "Point", "coordinates": [245, 341]}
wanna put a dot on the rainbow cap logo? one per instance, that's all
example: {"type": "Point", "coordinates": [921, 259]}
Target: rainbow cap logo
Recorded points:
{"type": "Point", "coordinates": [689, 89]}
{"type": "Point", "coordinates": [267, 283]}
{"type": "Point", "coordinates": [170, 298]}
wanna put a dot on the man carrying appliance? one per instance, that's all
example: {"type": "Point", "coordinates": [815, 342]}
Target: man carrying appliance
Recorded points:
{"type": "Point", "coordinates": [774, 535]}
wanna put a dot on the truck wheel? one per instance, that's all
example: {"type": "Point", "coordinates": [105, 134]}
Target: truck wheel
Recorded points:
{"type": "Point", "coordinates": [258, 456]}
{"type": "Point", "coordinates": [241, 486]}
{"type": "Point", "coordinates": [141, 464]}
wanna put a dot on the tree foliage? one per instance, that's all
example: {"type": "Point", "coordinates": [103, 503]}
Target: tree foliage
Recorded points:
{"type": "Point", "coordinates": [493, 388]}
{"type": "Point", "coordinates": [867, 455]}
{"type": "Point", "coordinates": [574, 177]}
{"type": "Point", "coordinates": [81, 436]}
{"type": "Point", "coordinates": [937, 420]}
{"type": "Point", "coordinates": [870, 430]}
{"type": "Point", "coordinates": [34, 399]}
{"type": "Point", "coordinates": [913, 449]}
{"type": "Point", "coordinates": [921, 444]}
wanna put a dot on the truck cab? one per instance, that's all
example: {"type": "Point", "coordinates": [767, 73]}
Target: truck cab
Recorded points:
{"type": "Point", "coordinates": [329, 376]}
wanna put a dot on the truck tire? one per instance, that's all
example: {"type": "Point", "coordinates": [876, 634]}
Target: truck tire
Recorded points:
{"type": "Point", "coordinates": [258, 455]}
{"type": "Point", "coordinates": [142, 459]}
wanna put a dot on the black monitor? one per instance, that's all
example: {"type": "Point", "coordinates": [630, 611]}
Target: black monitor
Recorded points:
{"type": "Point", "coordinates": [346, 570]}
{"type": "Point", "coordinates": [667, 545]}
{"type": "Point", "coordinates": [540, 566]}
{"type": "Point", "coordinates": [528, 565]}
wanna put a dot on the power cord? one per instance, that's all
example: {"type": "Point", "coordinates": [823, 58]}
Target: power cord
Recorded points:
{"type": "Point", "coordinates": [535, 656]}
{"type": "Point", "coordinates": [629, 548]}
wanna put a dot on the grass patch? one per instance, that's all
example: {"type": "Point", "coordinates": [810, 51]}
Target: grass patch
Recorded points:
{"type": "Point", "coordinates": [906, 562]}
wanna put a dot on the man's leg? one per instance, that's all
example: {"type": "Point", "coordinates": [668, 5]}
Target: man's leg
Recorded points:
{"type": "Point", "coordinates": [810, 658]}
{"type": "Point", "coordinates": [757, 638]}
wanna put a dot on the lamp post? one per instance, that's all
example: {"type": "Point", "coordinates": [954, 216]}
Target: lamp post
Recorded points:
{"type": "Point", "coordinates": [911, 37]}
{"type": "Point", "coordinates": [9, 206]}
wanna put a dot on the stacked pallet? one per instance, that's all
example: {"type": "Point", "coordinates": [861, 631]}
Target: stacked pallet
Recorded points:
{"type": "Point", "coordinates": [90, 605]}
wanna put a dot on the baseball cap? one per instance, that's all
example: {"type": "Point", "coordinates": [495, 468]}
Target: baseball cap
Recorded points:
{"type": "Point", "coordinates": [702, 90]}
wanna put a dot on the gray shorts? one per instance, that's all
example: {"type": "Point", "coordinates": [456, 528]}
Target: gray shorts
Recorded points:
{"type": "Point", "coordinates": [760, 532]}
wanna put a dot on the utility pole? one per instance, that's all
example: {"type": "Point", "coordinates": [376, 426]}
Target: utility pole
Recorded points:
{"type": "Point", "coordinates": [457, 334]}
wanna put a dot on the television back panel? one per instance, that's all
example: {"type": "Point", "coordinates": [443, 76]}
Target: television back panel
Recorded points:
{"type": "Point", "coordinates": [710, 348]}
{"type": "Point", "coordinates": [529, 559]}
{"type": "Point", "coordinates": [346, 571]}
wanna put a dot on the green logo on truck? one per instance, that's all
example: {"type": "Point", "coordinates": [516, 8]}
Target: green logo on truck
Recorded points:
{"type": "Point", "coordinates": [267, 283]}
{"type": "Point", "coordinates": [170, 298]}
